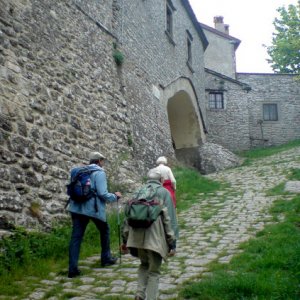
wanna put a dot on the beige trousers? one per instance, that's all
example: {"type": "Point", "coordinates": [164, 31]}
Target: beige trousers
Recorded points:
{"type": "Point", "coordinates": [148, 274]}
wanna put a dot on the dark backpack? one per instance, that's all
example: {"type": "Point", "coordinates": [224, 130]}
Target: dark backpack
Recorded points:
{"type": "Point", "coordinates": [142, 211]}
{"type": "Point", "coordinates": [79, 189]}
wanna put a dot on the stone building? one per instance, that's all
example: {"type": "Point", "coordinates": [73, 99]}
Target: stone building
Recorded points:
{"type": "Point", "coordinates": [132, 79]}
{"type": "Point", "coordinates": [273, 108]}
{"type": "Point", "coordinates": [220, 53]}
{"type": "Point", "coordinates": [246, 110]}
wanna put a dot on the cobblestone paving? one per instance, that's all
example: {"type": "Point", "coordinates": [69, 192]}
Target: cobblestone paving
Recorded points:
{"type": "Point", "coordinates": [211, 231]}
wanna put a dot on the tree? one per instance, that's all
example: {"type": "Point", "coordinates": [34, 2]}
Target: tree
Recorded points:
{"type": "Point", "coordinates": [285, 48]}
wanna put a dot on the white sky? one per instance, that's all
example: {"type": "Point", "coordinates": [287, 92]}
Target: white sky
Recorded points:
{"type": "Point", "coordinates": [250, 21]}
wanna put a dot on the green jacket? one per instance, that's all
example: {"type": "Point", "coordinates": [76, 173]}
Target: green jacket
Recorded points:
{"type": "Point", "coordinates": [161, 236]}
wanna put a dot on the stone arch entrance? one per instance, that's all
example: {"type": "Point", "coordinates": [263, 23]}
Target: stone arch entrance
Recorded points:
{"type": "Point", "coordinates": [185, 120]}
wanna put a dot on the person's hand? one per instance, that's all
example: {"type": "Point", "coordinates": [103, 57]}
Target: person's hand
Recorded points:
{"type": "Point", "coordinates": [172, 248]}
{"type": "Point", "coordinates": [172, 252]}
{"type": "Point", "coordinates": [124, 249]}
{"type": "Point", "coordinates": [118, 194]}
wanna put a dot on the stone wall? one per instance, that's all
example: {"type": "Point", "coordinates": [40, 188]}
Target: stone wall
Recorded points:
{"type": "Point", "coordinates": [61, 97]}
{"type": "Point", "coordinates": [228, 127]}
{"type": "Point", "coordinates": [282, 89]}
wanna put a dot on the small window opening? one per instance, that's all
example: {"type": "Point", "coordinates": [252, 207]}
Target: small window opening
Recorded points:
{"type": "Point", "coordinates": [270, 112]}
{"type": "Point", "coordinates": [169, 19]}
{"type": "Point", "coordinates": [216, 100]}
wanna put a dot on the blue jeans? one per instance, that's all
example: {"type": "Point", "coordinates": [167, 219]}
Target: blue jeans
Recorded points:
{"type": "Point", "coordinates": [79, 225]}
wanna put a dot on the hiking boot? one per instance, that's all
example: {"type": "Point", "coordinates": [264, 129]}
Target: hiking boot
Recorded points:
{"type": "Point", "coordinates": [138, 298]}
{"type": "Point", "coordinates": [111, 261]}
{"type": "Point", "coordinates": [74, 273]}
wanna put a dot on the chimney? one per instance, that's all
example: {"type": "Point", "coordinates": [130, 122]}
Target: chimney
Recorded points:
{"type": "Point", "coordinates": [219, 25]}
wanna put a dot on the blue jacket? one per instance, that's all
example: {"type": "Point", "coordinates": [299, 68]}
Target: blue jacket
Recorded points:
{"type": "Point", "coordinates": [95, 207]}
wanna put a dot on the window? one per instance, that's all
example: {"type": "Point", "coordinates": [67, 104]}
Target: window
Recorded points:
{"type": "Point", "coordinates": [270, 112]}
{"type": "Point", "coordinates": [169, 21]}
{"type": "Point", "coordinates": [216, 100]}
{"type": "Point", "coordinates": [189, 48]}
{"type": "Point", "coordinates": [169, 18]}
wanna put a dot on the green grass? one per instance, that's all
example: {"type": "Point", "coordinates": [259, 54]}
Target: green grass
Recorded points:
{"type": "Point", "coordinates": [36, 254]}
{"type": "Point", "coordinates": [294, 174]}
{"type": "Point", "coordinates": [189, 184]}
{"type": "Point", "coordinates": [277, 190]}
{"type": "Point", "coordinates": [268, 268]}
{"type": "Point", "coordinates": [257, 153]}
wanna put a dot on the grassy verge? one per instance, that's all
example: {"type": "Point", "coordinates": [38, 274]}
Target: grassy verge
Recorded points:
{"type": "Point", "coordinates": [254, 154]}
{"type": "Point", "coordinates": [27, 257]}
{"type": "Point", "coordinates": [268, 268]}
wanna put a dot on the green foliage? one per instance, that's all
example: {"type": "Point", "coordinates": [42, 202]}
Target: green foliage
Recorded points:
{"type": "Point", "coordinates": [267, 269]}
{"type": "Point", "coordinates": [35, 209]}
{"type": "Point", "coordinates": [23, 248]}
{"type": "Point", "coordinates": [36, 254]}
{"type": "Point", "coordinates": [284, 51]}
{"type": "Point", "coordinates": [118, 57]}
{"type": "Point", "coordinates": [295, 174]}
{"type": "Point", "coordinates": [129, 140]}
{"type": "Point", "coordinates": [189, 184]}
{"type": "Point", "coordinates": [277, 190]}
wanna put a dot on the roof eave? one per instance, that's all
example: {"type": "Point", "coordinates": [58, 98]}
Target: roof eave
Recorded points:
{"type": "Point", "coordinates": [195, 22]}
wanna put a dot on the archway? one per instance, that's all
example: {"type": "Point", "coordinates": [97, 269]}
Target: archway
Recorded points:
{"type": "Point", "coordinates": [185, 120]}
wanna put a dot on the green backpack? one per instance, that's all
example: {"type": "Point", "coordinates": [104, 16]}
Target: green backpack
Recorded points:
{"type": "Point", "coordinates": [144, 209]}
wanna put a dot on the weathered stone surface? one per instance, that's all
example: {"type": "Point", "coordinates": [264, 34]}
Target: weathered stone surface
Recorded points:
{"type": "Point", "coordinates": [215, 158]}
{"type": "Point", "coordinates": [292, 186]}
{"type": "Point", "coordinates": [11, 201]}
{"type": "Point", "coordinates": [280, 89]}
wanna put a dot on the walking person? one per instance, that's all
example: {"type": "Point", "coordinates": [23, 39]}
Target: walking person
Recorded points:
{"type": "Point", "coordinates": [153, 244]}
{"type": "Point", "coordinates": [93, 209]}
{"type": "Point", "coordinates": [169, 181]}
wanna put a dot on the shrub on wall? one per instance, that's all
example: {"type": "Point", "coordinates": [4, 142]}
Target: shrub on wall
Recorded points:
{"type": "Point", "coordinates": [118, 55]}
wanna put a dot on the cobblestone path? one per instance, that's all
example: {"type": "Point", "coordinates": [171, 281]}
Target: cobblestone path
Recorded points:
{"type": "Point", "coordinates": [210, 231]}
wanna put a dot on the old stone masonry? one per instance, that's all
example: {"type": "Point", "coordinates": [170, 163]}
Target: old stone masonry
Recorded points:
{"type": "Point", "coordinates": [210, 231]}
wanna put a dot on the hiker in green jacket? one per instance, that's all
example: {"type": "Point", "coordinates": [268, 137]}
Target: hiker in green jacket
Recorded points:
{"type": "Point", "coordinates": [154, 243]}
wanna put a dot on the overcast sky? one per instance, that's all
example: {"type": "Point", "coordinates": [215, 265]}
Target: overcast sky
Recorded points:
{"type": "Point", "coordinates": [249, 21]}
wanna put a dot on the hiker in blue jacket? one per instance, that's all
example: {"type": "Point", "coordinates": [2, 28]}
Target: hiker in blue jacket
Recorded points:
{"type": "Point", "coordinates": [93, 209]}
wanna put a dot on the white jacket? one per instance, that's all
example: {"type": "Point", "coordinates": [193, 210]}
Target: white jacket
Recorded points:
{"type": "Point", "coordinates": [166, 173]}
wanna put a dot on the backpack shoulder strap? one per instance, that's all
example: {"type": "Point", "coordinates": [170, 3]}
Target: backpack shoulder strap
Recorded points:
{"type": "Point", "coordinates": [79, 171]}
{"type": "Point", "coordinates": [147, 192]}
{"type": "Point", "coordinates": [93, 185]}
